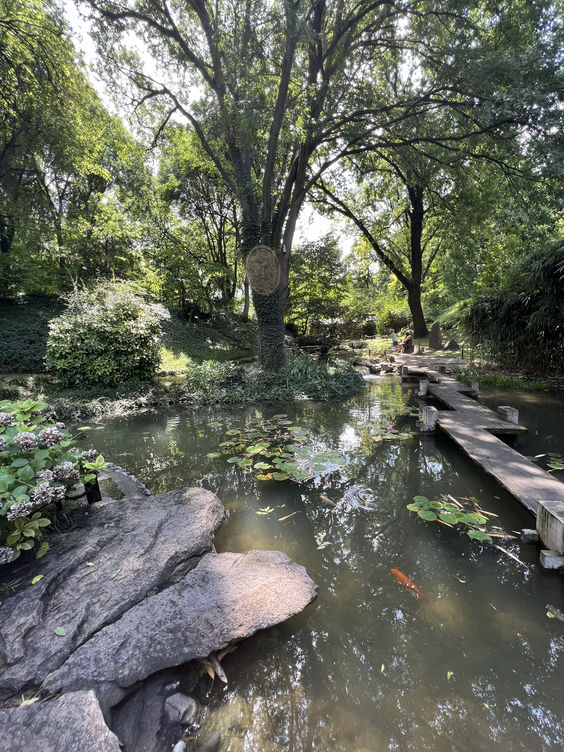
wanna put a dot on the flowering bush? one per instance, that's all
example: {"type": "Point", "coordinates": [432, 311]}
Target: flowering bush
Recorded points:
{"type": "Point", "coordinates": [106, 336]}
{"type": "Point", "coordinates": [38, 465]}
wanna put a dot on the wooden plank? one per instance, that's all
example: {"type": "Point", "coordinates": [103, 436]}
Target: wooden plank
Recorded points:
{"type": "Point", "coordinates": [518, 475]}
{"type": "Point", "coordinates": [472, 412]}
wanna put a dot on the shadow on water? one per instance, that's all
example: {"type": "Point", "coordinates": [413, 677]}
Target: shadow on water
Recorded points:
{"type": "Point", "coordinates": [368, 667]}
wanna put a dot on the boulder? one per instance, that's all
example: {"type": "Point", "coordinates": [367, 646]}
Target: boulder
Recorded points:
{"type": "Point", "coordinates": [118, 554]}
{"type": "Point", "coordinates": [435, 338]}
{"type": "Point", "coordinates": [451, 344]}
{"type": "Point", "coordinates": [73, 723]}
{"type": "Point", "coordinates": [226, 598]}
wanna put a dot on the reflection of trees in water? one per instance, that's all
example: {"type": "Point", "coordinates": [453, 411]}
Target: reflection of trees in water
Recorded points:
{"type": "Point", "coordinates": [316, 683]}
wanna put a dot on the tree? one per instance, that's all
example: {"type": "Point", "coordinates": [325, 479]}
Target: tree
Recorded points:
{"type": "Point", "coordinates": [70, 174]}
{"type": "Point", "coordinates": [275, 92]}
{"type": "Point", "coordinates": [317, 283]}
{"type": "Point", "coordinates": [198, 227]}
{"type": "Point", "coordinates": [404, 180]}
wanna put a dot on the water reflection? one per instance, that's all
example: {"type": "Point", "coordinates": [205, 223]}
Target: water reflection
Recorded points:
{"type": "Point", "coordinates": [368, 667]}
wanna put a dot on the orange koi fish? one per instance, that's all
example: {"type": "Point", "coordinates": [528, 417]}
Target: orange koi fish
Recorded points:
{"type": "Point", "coordinates": [407, 583]}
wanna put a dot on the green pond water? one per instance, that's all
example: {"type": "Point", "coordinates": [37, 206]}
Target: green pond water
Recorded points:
{"type": "Point", "coordinates": [475, 665]}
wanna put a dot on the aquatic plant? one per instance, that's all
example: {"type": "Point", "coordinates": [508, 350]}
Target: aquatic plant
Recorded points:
{"type": "Point", "coordinates": [452, 512]}
{"type": "Point", "coordinates": [273, 449]}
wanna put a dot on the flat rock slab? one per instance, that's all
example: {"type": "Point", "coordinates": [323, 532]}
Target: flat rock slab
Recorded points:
{"type": "Point", "coordinates": [73, 723]}
{"type": "Point", "coordinates": [120, 553]}
{"type": "Point", "coordinates": [226, 598]}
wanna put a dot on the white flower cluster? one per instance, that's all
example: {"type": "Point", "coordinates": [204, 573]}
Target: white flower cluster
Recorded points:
{"type": "Point", "coordinates": [26, 441]}
{"type": "Point", "coordinates": [65, 471]}
{"type": "Point", "coordinates": [46, 494]}
{"type": "Point", "coordinates": [20, 509]}
{"type": "Point", "coordinates": [50, 436]}
{"type": "Point", "coordinates": [6, 419]}
{"type": "Point", "coordinates": [3, 444]}
{"type": "Point", "coordinates": [6, 555]}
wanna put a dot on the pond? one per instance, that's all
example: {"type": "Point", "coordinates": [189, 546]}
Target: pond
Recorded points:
{"type": "Point", "coordinates": [370, 667]}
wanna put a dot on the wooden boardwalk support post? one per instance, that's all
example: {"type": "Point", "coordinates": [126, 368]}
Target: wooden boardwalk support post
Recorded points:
{"type": "Point", "coordinates": [510, 414]}
{"type": "Point", "coordinates": [423, 387]}
{"type": "Point", "coordinates": [405, 370]}
{"type": "Point", "coordinates": [430, 416]}
{"type": "Point", "coordinates": [441, 369]}
{"type": "Point", "coordinates": [550, 525]}
{"type": "Point", "coordinates": [474, 387]}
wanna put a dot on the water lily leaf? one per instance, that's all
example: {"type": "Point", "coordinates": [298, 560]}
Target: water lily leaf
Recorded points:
{"type": "Point", "coordinates": [227, 443]}
{"type": "Point", "coordinates": [262, 466]}
{"type": "Point", "coordinates": [427, 515]}
{"type": "Point", "coordinates": [233, 432]}
{"type": "Point", "coordinates": [280, 476]}
{"type": "Point", "coordinates": [213, 455]}
{"type": "Point", "coordinates": [268, 476]}
{"type": "Point", "coordinates": [420, 498]}
{"type": "Point", "coordinates": [450, 519]}
{"type": "Point", "coordinates": [478, 535]}
{"type": "Point", "coordinates": [232, 460]}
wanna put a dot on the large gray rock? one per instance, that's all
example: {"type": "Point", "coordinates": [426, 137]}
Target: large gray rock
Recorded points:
{"type": "Point", "coordinates": [226, 598]}
{"type": "Point", "coordinates": [435, 338]}
{"type": "Point", "coordinates": [120, 552]}
{"type": "Point", "coordinates": [72, 723]}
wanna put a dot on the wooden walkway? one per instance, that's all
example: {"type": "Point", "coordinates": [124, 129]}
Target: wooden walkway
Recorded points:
{"type": "Point", "coordinates": [475, 429]}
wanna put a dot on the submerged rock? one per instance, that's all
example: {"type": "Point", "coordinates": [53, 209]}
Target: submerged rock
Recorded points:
{"type": "Point", "coordinates": [73, 723]}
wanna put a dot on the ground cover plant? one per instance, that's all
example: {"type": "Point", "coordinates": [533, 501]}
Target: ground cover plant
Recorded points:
{"type": "Point", "coordinates": [39, 464]}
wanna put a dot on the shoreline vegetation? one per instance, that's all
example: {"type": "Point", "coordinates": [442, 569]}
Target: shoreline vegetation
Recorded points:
{"type": "Point", "coordinates": [202, 362]}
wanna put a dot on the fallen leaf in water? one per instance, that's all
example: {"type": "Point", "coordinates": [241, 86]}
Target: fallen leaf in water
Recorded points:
{"type": "Point", "coordinates": [382, 667]}
{"type": "Point", "coordinates": [287, 517]}
{"type": "Point", "coordinates": [450, 674]}
{"type": "Point", "coordinates": [36, 579]}
{"type": "Point", "coordinates": [461, 580]}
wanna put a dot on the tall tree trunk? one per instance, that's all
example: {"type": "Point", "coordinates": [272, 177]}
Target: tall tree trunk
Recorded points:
{"type": "Point", "coordinates": [414, 302]}
{"type": "Point", "coordinates": [245, 314]}
{"type": "Point", "coordinates": [414, 289]}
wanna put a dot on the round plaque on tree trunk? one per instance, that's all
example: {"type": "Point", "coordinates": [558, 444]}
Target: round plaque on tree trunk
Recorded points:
{"type": "Point", "coordinates": [263, 269]}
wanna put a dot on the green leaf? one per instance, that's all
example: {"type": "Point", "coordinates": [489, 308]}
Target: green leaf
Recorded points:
{"type": "Point", "coordinates": [280, 476]}
{"type": "Point", "coordinates": [427, 515]}
{"type": "Point", "coordinates": [20, 462]}
{"type": "Point", "coordinates": [37, 579]}
{"type": "Point", "coordinates": [452, 519]}
{"type": "Point", "coordinates": [26, 473]}
{"type": "Point", "coordinates": [26, 545]}
{"type": "Point", "coordinates": [478, 535]}
{"type": "Point", "coordinates": [42, 550]}
{"type": "Point", "coordinates": [420, 499]}
{"type": "Point", "coordinates": [60, 631]}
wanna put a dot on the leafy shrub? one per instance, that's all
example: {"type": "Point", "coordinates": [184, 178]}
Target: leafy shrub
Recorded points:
{"type": "Point", "coordinates": [393, 318]}
{"type": "Point", "coordinates": [521, 326]}
{"type": "Point", "coordinates": [38, 466]}
{"type": "Point", "coordinates": [106, 336]}
{"type": "Point", "coordinates": [369, 328]}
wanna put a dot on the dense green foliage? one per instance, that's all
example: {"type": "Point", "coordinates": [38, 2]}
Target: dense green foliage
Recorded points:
{"type": "Point", "coordinates": [24, 328]}
{"type": "Point", "coordinates": [521, 325]}
{"type": "Point", "coordinates": [106, 336]}
{"type": "Point", "coordinates": [38, 465]}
